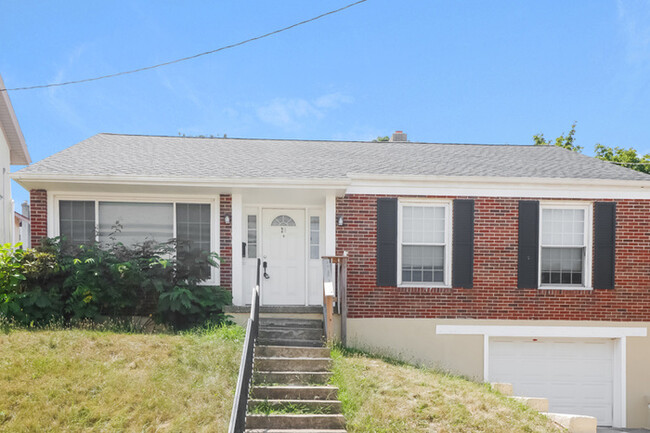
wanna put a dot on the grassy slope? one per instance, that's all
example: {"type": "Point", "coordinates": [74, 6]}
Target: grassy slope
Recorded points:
{"type": "Point", "coordinates": [74, 381]}
{"type": "Point", "coordinates": [380, 395]}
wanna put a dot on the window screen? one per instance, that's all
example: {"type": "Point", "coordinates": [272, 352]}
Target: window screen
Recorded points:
{"type": "Point", "coordinates": [77, 221]}
{"type": "Point", "coordinates": [193, 231]}
{"type": "Point", "coordinates": [423, 244]}
{"type": "Point", "coordinates": [563, 246]}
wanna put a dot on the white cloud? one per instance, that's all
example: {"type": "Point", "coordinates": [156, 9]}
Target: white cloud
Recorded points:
{"type": "Point", "coordinates": [634, 18]}
{"type": "Point", "coordinates": [291, 113]}
{"type": "Point", "coordinates": [56, 95]}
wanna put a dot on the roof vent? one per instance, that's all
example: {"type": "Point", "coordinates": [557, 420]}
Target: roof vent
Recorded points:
{"type": "Point", "coordinates": [398, 136]}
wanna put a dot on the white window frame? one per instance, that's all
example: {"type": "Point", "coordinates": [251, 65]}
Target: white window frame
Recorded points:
{"type": "Point", "coordinates": [588, 229]}
{"type": "Point", "coordinates": [54, 228]}
{"type": "Point", "coordinates": [446, 204]}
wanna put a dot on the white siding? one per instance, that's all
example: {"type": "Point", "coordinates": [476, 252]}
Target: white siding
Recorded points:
{"type": "Point", "coordinates": [6, 205]}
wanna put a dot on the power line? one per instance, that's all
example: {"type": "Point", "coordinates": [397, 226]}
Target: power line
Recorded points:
{"type": "Point", "coordinates": [629, 163]}
{"type": "Point", "coordinates": [146, 68]}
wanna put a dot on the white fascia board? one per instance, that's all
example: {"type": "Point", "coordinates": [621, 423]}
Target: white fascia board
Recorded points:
{"type": "Point", "coordinates": [489, 186]}
{"type": "Point", "coordinates": [542, 331]}
{"type": "Point", "coordinates": [11, 129]}
{"type": "Point", "coordinates": [299, 183]}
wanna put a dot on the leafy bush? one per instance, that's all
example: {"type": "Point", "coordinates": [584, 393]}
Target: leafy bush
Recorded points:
{"type": "Point", "coordinates": [73, 283]}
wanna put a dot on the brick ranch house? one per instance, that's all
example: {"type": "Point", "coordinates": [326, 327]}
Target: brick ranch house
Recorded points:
{"type": "Point", "coordinates": [521, 264]}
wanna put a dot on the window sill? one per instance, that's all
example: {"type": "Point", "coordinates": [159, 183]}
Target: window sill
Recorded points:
{"type": "Point", "coordinates": [564, 288]}
{"type": "Point", "coordinates": [423, 286]}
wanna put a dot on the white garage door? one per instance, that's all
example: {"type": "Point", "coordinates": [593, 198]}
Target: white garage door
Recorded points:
{"type": "Point", "coordinates": [575, 375]}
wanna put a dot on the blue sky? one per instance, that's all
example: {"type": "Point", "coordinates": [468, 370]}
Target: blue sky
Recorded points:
{"type": "Point", "coordinates": [466, 72]}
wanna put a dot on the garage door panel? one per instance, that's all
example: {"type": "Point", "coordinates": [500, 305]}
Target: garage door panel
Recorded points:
{"type": "Point", "coordinates": [576, 376]}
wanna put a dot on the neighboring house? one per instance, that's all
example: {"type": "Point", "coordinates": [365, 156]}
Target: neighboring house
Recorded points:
{"type": "Point", "coordinates": [524, 264]}
{"type": "Point", "coordinates": [22, 227]}
{"type": "Point", "coordinates": [13, 151]}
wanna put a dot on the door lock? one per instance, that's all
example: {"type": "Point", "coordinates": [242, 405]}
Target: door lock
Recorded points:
{"type": "Point", "coordinates": [264, 265]}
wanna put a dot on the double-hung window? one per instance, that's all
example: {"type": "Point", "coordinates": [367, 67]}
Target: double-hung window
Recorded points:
{"type": "Point", "coordinates": [565, 250]}
{"type": "Point", "coordinates": [424, 252]}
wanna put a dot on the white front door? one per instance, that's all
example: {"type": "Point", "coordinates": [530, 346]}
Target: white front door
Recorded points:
{"type": "Point", "coordinates": [283, 249]}
{"type": "Point", "coordinates": [575, 375]}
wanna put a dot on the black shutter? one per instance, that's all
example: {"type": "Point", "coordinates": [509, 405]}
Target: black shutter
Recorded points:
{"type": "Point", "coordinates": [462, 264]}
{"type": "Point", "coordinates": [604, 244]}
{"type": "Point", "coordinates": [387, 242]}
{"type": "Point", "coordinates": [527, 275]}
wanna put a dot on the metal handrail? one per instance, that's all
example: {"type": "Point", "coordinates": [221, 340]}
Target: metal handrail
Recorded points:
{"type": "Point", "coordinates": [240, 404]}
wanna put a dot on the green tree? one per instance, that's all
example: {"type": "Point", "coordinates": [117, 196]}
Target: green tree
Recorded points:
{"type": "Point", "coordinates": [625, 157]}
{"type": "Point", "coordinates": [378, 139]}
{"type": "Point", "coordinates": [567, 142]}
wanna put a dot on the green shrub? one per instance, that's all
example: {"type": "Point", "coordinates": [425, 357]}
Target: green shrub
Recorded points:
{"type": "Point", "coordinates": [67, 282]}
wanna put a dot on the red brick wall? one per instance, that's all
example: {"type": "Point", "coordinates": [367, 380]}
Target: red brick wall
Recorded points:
{"type": "Point", "coordinates": [226, 242]}
{"type": "Point", "coordinates": [495, 294]}
{"type": "Point", "coordinates": [38, 213]}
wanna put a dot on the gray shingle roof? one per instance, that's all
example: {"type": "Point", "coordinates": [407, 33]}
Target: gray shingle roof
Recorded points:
{"type": "Point", "coordinates": [205, 158]}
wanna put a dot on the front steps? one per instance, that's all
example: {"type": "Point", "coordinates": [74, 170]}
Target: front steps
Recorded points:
{"type": "Point", "coordinates": [292, 369]}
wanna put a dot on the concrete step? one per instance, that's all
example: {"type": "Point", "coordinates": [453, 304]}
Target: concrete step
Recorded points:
{"type": "Point", "coordinates": [290, 421]}
{"type": "Point", "coordinates": [276, 322]}
{"type": "Point", "coordinates": [292, 352]}
{"type": "Point", "coordinates": [539, 404]}
{"type": "Point", "coordinates": [292, 364]}
{"type": "Point", "coordinates": [290, 333]}
{"type": "Point", "coordinates": [315, 406]}
{"type": "Point", "coordinates": [574, 423]}
{"type": "Point", "coordinates": [274, 430]}
{"type": "Point", "coordinates": [296, 392]}
{"type": "Point", "coordinates": [292, 378]}
{"type": "Point", "coordinates": [289, 342]}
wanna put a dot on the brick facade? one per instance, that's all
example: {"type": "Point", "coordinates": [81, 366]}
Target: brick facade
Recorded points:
{"type": "Point", "coordinates": [225, 236]}
{"type": "Point", "coordinates": [38, 214]}
{"type": "Point", "coordinates": [495, 294]}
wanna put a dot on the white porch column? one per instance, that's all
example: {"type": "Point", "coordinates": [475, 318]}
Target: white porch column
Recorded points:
{"type": "Point", "coordinates": [330, 225]}
{"type": "Point", "coordinates": [237, 264]}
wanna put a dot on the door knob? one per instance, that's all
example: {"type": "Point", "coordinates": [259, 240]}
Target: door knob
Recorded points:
{"type": "Point", "coordinates": [264, 265]}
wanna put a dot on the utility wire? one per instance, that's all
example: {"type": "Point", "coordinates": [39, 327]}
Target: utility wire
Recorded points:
{"type": "Point", "coordinates": [146, 68]}
{"type": "Point", "coordinates": [629, 163]}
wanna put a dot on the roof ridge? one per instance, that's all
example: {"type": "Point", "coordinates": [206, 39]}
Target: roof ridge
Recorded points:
{"type": "Point", "coordinates": [314, 140]}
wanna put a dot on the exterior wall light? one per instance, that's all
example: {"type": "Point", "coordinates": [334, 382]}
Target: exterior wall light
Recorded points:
{"type": "Point", "coordinates": [339, 220]}
{"type": "Point", "coordinates": [226, 219]}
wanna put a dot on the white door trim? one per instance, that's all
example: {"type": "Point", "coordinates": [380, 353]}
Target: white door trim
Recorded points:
{"type": "Point", "coordinates": [619, 334]}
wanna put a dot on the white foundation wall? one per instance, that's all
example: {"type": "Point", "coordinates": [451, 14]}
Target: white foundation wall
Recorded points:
{"type": "Point", "coordinates": [416, 341]}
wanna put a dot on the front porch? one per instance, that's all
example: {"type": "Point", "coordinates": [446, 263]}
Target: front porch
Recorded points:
{"type": "Point", "coordinates": [289, 230]}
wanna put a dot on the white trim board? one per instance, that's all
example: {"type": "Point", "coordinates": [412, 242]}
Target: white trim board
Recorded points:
{"type": "Point", "coordinates": [542, 331]}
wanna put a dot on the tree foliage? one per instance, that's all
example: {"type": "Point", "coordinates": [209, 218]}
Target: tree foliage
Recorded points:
{"type": "Point", "coordinates": [626, 157]}
{"type": "Point", "coordinates": [380, 138]}
{"type": "Point", "coordinates": [564, 141]}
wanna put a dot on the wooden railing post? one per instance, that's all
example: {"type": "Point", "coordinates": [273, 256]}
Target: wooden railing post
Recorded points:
{"type": "Point", "coordinates": [334, 290]}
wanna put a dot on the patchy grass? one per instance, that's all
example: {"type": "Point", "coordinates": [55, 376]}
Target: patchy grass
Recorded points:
{"type": "Point", "coordinates": [95, 381]}
{"type": "Point", "coordinates": [266, 408]}
{"type": "Point", "coordinates": [381, 395]}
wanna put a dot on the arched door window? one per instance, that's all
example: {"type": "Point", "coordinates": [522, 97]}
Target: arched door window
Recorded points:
{"type": "Point", "coordinates": [283, 221]}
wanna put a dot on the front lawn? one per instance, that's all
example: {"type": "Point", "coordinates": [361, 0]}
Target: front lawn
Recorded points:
{"type": "Point", "coordinates": [89, 381]}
